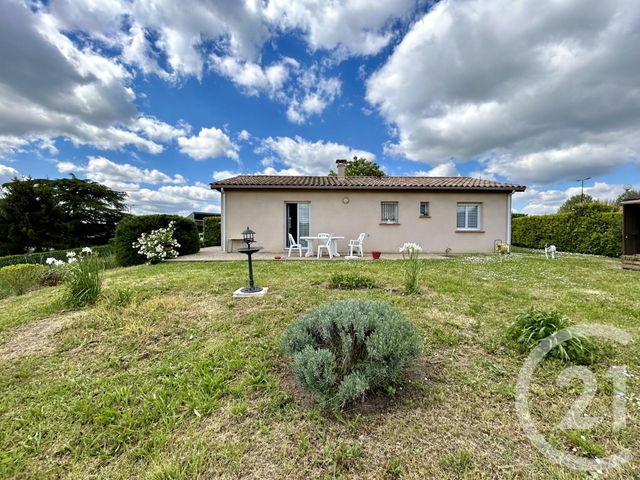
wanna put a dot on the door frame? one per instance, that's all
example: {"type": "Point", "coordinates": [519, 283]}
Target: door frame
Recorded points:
{"type": "Point", "coordinates": [285, 236]}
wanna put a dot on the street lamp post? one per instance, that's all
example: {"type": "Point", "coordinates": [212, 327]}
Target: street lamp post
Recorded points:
{"type": "Point", "coordinates": [249, 237]}
{"type": "Point", "coordinates": [582, 180]}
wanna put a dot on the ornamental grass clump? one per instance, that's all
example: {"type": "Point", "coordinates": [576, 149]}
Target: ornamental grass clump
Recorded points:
{"type": "Point", "coordinates": [83, 278]}
{"type": "Point", "coordinates": [345, 349]}
{"type": "Point", "coordinates": [158, 245]}
{"type": "Point", "coordinates": [412, 267]}
{"type": "Point", "coordinates": [532, 326]}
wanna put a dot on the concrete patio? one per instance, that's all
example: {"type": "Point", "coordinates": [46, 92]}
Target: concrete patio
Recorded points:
{"type": "Point", "coordinates": [215, 254]}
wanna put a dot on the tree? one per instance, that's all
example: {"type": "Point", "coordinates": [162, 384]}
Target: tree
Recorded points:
{"type": "Point", "coordinates": [361, 167]}
{"type": "Point", "coordinates": [92, 210]}
{"type": "Point", "coordinates": [39, 214]}
{"type": "Point", "coordinates": [575, 201]}
{"type": "Point", "coordinates": [30, 217]}
{"type": "Point", "coordinates": [585, 204]}
{"type": "Point", "coordinates": [627, 195]}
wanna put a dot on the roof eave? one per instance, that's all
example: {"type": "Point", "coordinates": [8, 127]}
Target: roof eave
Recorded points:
{"type": "Point", "coordinates": [219, 187]}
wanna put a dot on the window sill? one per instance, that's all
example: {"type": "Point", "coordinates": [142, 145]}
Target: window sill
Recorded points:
{"type": "Point", "coordinates": [469, 231]}
{"type": "Point", "coordinates": [387, 223]}
{"type": "Point", "coordinates": [424, 216]}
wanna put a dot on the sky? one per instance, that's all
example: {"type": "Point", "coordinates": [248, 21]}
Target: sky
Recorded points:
{"type": "Point", "coordinates": [159, 98]}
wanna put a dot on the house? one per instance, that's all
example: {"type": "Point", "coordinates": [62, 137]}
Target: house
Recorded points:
{"type": "Point", "coordinates": [461, 214]}
{"type": "Point", "coordinates": [198, 218]}
{"type": "Point", "coordinates": [631, 229]}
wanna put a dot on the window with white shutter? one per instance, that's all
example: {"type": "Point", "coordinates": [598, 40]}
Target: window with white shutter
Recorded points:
{"type": "Point", "coordinates": [468, 216]}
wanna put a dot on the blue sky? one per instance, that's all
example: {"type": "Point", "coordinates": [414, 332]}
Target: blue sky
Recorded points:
{"type": "Point", "coordinates": [160, 98]}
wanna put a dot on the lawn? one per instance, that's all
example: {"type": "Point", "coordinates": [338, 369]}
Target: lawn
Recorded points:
{"type": "Point", "coordinates": [169, 377]}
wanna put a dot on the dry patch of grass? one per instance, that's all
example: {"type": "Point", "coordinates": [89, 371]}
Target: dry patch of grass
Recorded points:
{"type": "Point", "coordinates": [36, 338]}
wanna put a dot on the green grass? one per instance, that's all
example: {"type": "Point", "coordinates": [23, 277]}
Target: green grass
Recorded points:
{"type": "Point", "coordinates": [168, 377]}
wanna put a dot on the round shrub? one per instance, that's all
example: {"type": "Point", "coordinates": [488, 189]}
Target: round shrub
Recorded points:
{"type": "Point", "coordinates": [344, 349]}
{"type": "Point", "coordinates": [19, 279]}
{"type": "Point", "coordinates": [130, 228]}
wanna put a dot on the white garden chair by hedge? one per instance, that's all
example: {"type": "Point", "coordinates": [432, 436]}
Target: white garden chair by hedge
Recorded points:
{"type": "Point", "coordinates": [324, 241]}
{"type": "Point", "coordinates": [357, 244]}
{"type": "Point", "coordinates": [293, 244]}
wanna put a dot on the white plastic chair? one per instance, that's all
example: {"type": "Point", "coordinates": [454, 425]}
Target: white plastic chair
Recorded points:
{"type": "Point", "coordinates": [293, 244]}
{"type": "Point", "coordinates": [357, 244]}
{"type": "Point", "coordinates": [324, 241]}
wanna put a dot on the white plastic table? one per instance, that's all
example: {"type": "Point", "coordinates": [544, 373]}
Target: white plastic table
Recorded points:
{"type": "Point", "coordinates": [311, 244]}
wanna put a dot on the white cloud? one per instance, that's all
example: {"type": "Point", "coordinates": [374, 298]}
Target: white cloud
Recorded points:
{"type": "Point", "coordinates": [11, 144]}
{"type": "Point", "coordinates": [222, 174]}
{"type": "Point", "coordinates": [251, 77]}
{"type": "Point", "coordinates": [443, 170]}
{"type": "Point", "coordinates": [175, 40]}
{"type": "Point", "coordinates": [158, 130]}
{"type": "Point", "coordinates": [305, 157]}
{"type": "Point", "coordinates": [175, 199]}
{"type": "Point", "coordinates": [358, 27]}
{"type": "Point", "coordinates": [209, 143]}
{"type": "Point", "coordinates": [541, 202]}
{"type": "Point", "coordinates": [546, 91]}
{"type": "Point", "coordinates": [120, 176]}
{"type": "Point", "coordinates": [55, 89]}
{"type": "Point", "coordinates": [244, 135]}
{"type": "Point", "coordinates": [68, 167]}
{"type": "Point", "coordinates": [312, 94]}
{"type": "Point", "coordinates": [7, 173]}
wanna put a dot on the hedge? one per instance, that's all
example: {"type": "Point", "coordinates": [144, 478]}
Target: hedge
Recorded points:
{"type": "Point", "coordinates": [41, 257]}
{"type": "Point", "coordinates": [130, 228]}
{"type": "Point", "coordinates": [211, 231]}
{"type": "Point", "coordinates": [596, 233]}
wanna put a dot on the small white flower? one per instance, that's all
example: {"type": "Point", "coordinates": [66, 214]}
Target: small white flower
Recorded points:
{"type": "Point", "coordinates": [87, 250]}
{"type": "Point", "coordinates": [71, 254]}
{"type": "Point", "coordinates": [51, 261]}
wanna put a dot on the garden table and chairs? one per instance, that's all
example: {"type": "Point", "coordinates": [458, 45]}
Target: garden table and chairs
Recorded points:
{"type": "Point", "coordinates": [324, 241]}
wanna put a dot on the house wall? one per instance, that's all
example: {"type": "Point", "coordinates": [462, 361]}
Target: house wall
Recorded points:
{"type": "Point", "coordinates": [264, 212]}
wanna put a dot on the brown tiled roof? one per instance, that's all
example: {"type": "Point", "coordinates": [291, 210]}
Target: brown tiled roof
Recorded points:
{"type": "Point", "coordinates": [364, 183]}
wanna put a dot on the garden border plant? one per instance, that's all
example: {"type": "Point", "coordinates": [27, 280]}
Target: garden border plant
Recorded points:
{"type": "Point", "coordinates": [534, 325]}
{"type": "Point", "coordinates": [351, 281]}
{"type": "Point", "coordinates": [345, 349]}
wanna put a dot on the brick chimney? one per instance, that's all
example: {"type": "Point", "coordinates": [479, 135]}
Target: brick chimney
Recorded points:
{"type": "Point", "coordinates": [341, 164]}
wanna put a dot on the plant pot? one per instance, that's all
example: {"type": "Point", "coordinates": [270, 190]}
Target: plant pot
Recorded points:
{"type": "Point", "coordinates": [376, 255]}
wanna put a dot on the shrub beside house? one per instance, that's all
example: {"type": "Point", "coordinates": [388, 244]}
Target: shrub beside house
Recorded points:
{"type": "Point", "coordinates": [129, 230]}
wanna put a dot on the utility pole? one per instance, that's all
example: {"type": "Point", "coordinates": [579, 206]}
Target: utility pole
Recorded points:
{"type": "Point", "coordinates": [582, 180]}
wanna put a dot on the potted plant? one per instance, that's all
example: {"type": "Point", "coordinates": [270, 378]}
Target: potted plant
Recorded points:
{"type": "Point", "coordinates": [376, 254]}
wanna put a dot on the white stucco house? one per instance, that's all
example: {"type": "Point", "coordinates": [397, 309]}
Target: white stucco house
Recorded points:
{"type": "Point", "coordinates": [461, 214]}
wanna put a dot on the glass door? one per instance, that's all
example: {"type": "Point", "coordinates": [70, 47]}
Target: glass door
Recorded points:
{"type": "Point", "coordinates": [298, 221]}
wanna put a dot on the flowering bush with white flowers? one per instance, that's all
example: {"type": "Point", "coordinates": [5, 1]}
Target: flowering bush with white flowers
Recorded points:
{"type": "Point", "coordinates": [412, 266]}
{"type": "Point", "coordinates": [158, 245]}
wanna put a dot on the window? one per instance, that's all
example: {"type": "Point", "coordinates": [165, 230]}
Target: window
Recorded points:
{"type": "Point", "coordinates": [424, 209]}
{"type": "Point", "coordinates": [468, 217]}
{"type": "Point", "coordinates": [389, 212]}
